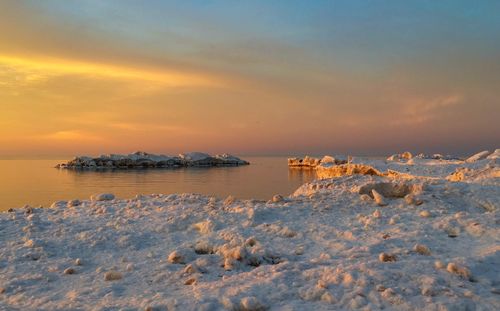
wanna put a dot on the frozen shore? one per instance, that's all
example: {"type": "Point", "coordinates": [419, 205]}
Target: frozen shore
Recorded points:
{"type": "Point", "coordinates": [141, 159]}
{"type": "Point", "coordinates": [422, 234]}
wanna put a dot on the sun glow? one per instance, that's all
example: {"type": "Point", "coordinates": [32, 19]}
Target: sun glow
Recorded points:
{"type": "Point", "coordinates": [36, 69]}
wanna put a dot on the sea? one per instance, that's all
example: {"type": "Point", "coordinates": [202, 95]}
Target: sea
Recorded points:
{"type": "Point", "coordinates": [38, 183]}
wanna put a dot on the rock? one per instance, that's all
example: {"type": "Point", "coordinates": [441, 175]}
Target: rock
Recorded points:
{"type": "Point", "coordinates": [328, 298]}
{"type": "Point", "coordinates": [411, 199]}
{"type": "Point", "coordinates": [439, 264]}
{"type": "Point", "coordinates": [400, 157]}
{"type": "Point", "coordinates": [194, 156]}
{"type": "Point", "coordinates": [452, 232]}
{"type": "Point", "coordinates": [74, 203]}
{"type": "Point", "coordinates": [229, 200]}
{"type": "Point", "coordinates": [306, 162]}
{"type": "Point", "coordinates": [228, 159]}
{"type": "Point", "coordinates": [384, 257]}
{"type": "Point", "coordinates": [459, 270]}
{"type": "Point", "coordinates": [147, 160]}
{"type": "Point", "coordinates": [30, 243]}
{"type": "Point", "coordinates": [478, 156]}
{"type": "Point", "coordinates": [176, 257]}
{"type": "Point", "coordinates": [421, 249]}
{"type": "Point", "coordinates": [428, 291]}
{"type": "Point", "coordinates": [277, 198]}
{"type": "Point", "coordinates": [69, 271]}
{"type": "Point", "coordinates": [112, 276]}
{"type": "Point", "coordinates": [377, 214]}
{"type": "Point", "coordinates": [190, 281]}
{"type": "Point", "coordinates": [102, 197]}
{"type": "Point", "coordinates": [205, 227]}
{"type": "Point", "coordinates": [379, 199]}
{"type": "Point", "coordinates": [203, 248]}
{"type": "Point", "coordinates": [251, 304]}
{"type": "Point", "coordinates": [391, 189]}
{"type": "Point", "coordinates": [250, 242]}
{"type": "Point", "coordinates": [189, 269]}
{"type": "Point", "coordinates": [425, 214]}
{"type": "Point", "coordinates": [299, 250]}
{"type": "Point", "coordinates": [229, 264]}
{"type": "Point", "coordinates": [365, 197]}
{"type": "Point", "coordinates": [58, 204]}
{"type": "Point", "coordinates": [406, 155]}
{"type": "Point", "coordinates": [394, 157]}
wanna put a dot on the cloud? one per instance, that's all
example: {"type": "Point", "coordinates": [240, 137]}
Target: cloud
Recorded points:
{"type": "Point", "coordinates": [70, 135]}
{"type": "Point", "coordinates": [28, 70]}
{"type": "Point", "coordinates": [419, 111]}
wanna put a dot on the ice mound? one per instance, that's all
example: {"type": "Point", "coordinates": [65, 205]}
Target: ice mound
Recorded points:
{"type": "Point", "coordinates": [405, 156]}
{"type": "Point", "coordinates": [495, 155]}
{"type": "Point", "coordinates": [489, 172]}
{"type": "Point", "coordinates": [329, 171]}
{"type": "Point", "coordinates": [391, 189]}
{"type": "Point", "coordinates": [478, 156]}
{"type": "Point", "coordinates": [147, 160]}
{"type": "Point", "coordinates": [310, 162]}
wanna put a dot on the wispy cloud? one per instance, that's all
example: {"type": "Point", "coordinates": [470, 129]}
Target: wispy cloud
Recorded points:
{"type": "Point", "coordinates": [35, 69]}
{"type": "Point", "coordinates": [70, 135]}
{"type": "Point", "coordinates": [418, 110]}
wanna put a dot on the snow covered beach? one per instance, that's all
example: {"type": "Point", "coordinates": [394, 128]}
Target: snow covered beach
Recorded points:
{"type": "Point", "coordinates": [420, 233]}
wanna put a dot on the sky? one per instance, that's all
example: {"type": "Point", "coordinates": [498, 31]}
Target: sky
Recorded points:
{"type": "Point", "coordinates": [249, 77]}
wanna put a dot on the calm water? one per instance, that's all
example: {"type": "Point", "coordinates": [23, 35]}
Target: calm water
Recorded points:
{"type": "Point", "coordinates": [37, 182]}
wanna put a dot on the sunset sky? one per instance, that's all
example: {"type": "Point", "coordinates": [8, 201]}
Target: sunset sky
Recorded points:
{"type": "Point", "coordinates": [249, 77]}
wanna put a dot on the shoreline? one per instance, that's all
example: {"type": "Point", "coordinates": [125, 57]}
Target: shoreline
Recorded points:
{"type": "Point", "coordinates": [332, 244]}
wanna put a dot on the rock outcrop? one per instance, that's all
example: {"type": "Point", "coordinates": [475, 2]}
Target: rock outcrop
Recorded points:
{"type": "Point", "coordinates": [148, 160]}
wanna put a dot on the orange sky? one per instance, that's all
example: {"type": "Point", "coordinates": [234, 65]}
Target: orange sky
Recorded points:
{"type": "Point", "coordinates": [104, 76]}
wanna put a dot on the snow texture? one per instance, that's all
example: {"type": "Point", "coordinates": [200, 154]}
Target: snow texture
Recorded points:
{"type": "Point", "coordinates": [328, 246]}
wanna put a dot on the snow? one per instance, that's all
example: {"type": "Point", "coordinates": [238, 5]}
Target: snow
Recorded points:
{"type": "Point", "coordinates": [478, 156]}
{"type": "Point", "coordinates": [433, 245]}
{"type": "Point", "coordinates": [311, 162]}
{"type": "Point", "coordinates": [495, 155]}
{"type": "Point", "coordinates": [194, 156]}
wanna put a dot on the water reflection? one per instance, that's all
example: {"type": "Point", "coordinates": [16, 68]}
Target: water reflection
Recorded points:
{"type": "Point", "coordinates": [301, 174]}
{"type": "Point", "coordinates": [37, 182]}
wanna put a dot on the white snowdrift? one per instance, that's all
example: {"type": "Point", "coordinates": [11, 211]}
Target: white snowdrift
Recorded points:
{"type": "Point", "coordinates": [433, 244]}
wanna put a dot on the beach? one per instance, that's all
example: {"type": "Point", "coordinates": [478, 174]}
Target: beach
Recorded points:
{"type": "Point", "coordinates": [328, 246]}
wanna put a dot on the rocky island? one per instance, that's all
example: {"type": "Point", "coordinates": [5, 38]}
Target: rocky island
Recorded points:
{"type": "Point", "coordinates": [141, 159]}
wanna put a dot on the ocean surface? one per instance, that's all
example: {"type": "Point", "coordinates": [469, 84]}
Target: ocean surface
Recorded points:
{"type": "Point", "coordinates": [37, 182]}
